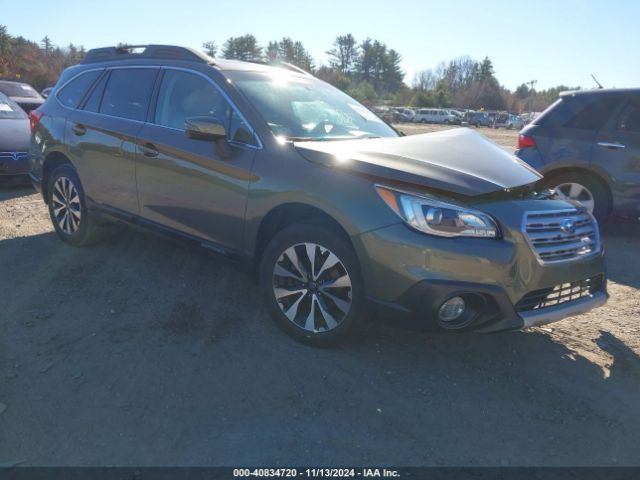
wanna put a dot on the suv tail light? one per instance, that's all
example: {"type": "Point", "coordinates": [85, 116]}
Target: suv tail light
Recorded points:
{"type": "Point", "coordinates": [525, 141]}
{"type": "Point", "coordinates": [34, 119]}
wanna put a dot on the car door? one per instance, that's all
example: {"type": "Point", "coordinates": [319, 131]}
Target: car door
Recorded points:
{"type": "Point", "coordinates": [102, 136]}
{"type": "Point", "coordinates": [187, 184]}
{"type": "Point", "coordinates": [617, 151]}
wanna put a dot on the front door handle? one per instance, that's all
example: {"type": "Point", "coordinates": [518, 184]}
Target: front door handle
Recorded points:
{"type": "Point", "coordinates": [149, 150]}
{"type": "Point", "coordinates": [611, 145]}
{"type": "Point", "coordinates": [79, 129]}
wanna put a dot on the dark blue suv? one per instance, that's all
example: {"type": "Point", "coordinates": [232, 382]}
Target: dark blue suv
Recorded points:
{"type": "Point", "coordinates": [587, 145]}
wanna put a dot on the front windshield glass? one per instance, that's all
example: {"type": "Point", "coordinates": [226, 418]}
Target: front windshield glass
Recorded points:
{"type": "Point", "coordinates": [9, 108]}
{"type": "Point", "coordinates": [307, 109]}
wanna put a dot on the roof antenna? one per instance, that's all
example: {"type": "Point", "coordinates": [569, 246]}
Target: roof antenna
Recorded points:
{"type": "Point", "coordinates": [596, 80]}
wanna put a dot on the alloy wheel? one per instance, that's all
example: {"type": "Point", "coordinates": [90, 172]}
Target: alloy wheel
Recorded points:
{"type": "Point", "coordinates": [66, 207]}
{"type": "Point", "coordinates": [312, 287]}
{"type": "Point", "coordinates": [577, 192]}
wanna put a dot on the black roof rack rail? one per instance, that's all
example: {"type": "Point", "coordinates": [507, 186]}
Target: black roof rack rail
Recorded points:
{"type": "Point", "coordinates": [163, 52]}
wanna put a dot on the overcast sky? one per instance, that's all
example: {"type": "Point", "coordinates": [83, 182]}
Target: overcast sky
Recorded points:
{"type": "Point", "coordinates": [553, 42]}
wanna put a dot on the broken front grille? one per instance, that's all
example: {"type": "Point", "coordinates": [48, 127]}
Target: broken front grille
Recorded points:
{"type": "Point", "coordinates": [562, 293]}
{"type": "Point", "coordinates": [561, 235]}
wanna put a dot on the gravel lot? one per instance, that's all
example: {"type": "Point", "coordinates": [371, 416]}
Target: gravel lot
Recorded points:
{"type": "Point", "coordinates": [144, 351]}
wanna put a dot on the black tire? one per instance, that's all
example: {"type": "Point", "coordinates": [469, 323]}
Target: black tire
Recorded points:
{"type": "Point", "coordinates": [88, 231]}
{"type": "Point", "coordinates": [598, 190]}
{"type": "Point", "coordinates": [326, 238]}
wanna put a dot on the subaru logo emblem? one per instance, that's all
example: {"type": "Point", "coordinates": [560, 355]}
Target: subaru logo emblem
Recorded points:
{"type": "Point", "coordinates": [568, 226]}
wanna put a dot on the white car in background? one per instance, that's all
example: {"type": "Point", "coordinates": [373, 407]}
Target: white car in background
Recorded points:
{"type": "Point", "coordinates": [509, 121]}
{"type": "Point", "coordinates": [404, 115]}
{"type": "Point", "coordinates": [434, 115]}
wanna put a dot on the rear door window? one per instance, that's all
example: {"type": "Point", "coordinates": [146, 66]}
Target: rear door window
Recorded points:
{"type": "Point", "coordinates": [73, 92]}
{"type": "Point", "coordinates": [128, 92]}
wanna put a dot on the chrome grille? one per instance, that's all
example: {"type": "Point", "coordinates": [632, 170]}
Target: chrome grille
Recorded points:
{"type": "Point", "coordinates": [562, 234]}
{"type": "Point", "coordinates": [565, 292]}
{"type": "Point", "coordinates": [14, 156]}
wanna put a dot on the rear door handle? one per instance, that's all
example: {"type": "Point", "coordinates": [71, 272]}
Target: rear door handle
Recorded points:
{"type": "Point", "coordinates": [149, 150]}
{"type": "Point", "coordinates": [610, 145]}
{"type": "Point", "coordinates": [79, 129]}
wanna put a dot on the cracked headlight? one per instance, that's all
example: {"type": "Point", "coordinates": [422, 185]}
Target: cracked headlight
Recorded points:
{"type": "Point", "coordinates": [436, 217]}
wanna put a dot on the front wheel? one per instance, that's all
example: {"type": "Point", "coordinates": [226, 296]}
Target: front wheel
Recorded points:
{"type": "Point", "coordinates": [71, 219]}
{"type": "Point", "coordinates": [312, 284]}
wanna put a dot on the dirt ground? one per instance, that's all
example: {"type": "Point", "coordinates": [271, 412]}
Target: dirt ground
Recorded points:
{"type": "Point", "coordinates": [506, 138]}
{"type": "Point", "coordinates": [144, 351]}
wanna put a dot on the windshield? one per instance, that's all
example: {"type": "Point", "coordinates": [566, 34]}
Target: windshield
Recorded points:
{"type": "Point", "coordinates": [14, 89]}
{"type": "Point", "coordinates": [306, 109]}
{"type": "Point", "coordinates": [9, 108]}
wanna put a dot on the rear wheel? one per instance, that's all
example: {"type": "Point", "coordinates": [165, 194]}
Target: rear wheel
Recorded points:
{"type": "Point", "coordinates": [312, 285]}
{"type": "Point", "coordinates": [583, 188]}
{"type": "Point", "coordinates": [68, 211]}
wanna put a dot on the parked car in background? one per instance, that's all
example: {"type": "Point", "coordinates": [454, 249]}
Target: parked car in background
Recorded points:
{"type": "Point", "coordinates": [45, 93]}
{"type": "Point", "coordinates": [434, 115]}
{"type": "Point", "coordinates": [312, 192]}
{"type": "Point", "coordinates": [468, 116]}
{"type": "Point", "coordinates": [22, 93]}
{"type": "Point", "coordinates": [481, 119]}
{"type": "Point", "coordinates": [404, 115]}
{"type": "Point", "coordinates": [385, 113]}
{"type": "Point", "coordinates": [587, 145]}
{"type": "Point", "coordinates": [14, 140]}
{"type": "Point", "coordinates": [457, 116]}
{"type": "Point", "coordinates": [528, 117]}
{"type": "Point", "coordinates": [508, 121]}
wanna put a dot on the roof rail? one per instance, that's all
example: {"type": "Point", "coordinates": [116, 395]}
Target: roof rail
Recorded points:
{"type": "Point", "coordinates": [163, 52]}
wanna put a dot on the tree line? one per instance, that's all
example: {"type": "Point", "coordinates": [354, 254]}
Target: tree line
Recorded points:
{"type": "Point", "coordinates": [37, 63]}
{"type": "Point", "coordinates": [368, 70]}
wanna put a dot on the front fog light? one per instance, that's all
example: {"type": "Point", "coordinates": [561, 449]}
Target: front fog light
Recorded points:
{"type": "Point", "coordinates": [451, 309]}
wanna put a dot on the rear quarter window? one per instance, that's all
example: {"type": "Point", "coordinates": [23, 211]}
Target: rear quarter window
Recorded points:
{"type": "Point", "coordinates": [73, 92]}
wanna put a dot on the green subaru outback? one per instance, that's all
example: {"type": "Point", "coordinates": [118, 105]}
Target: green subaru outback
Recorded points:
{"type": "Point", "coordinates": [331, 208]}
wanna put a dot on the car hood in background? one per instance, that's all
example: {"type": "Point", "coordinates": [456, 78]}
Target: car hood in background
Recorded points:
{"type": "Point", "coordinates": [14, 135]}
{"type": "Point", "coordinates": [460, 161]}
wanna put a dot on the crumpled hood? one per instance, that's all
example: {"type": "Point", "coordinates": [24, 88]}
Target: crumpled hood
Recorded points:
{"type": "Point", "coordinates": [459, 160]}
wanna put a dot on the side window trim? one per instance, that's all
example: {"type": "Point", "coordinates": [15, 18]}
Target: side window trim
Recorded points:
{"type": "Point", "coordinates": [106, 74]}
{"type": "Point", "coordinates": [151, 118]}
{"type": "Point", "coordinates": [86, 95]}
{"type": "Point", "coordinates": [153, 102]}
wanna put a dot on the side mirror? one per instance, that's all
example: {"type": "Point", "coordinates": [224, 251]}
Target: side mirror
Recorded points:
{"type": "Point", "coordinates": [205, 128]}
